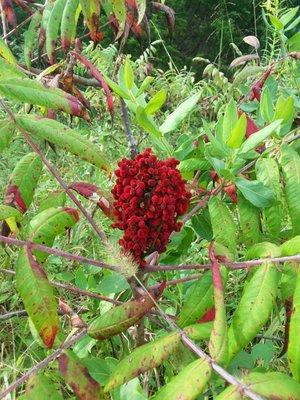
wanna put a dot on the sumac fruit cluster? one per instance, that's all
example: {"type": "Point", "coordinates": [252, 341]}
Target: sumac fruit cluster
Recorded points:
{"type": "Point", "coordinates": [150, 195]}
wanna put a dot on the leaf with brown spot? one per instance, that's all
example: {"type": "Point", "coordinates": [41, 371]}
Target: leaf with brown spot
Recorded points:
{"type": "Point", "coordinates": [37, 295]}
{"type": "Point", "coordinates": [40, 387]}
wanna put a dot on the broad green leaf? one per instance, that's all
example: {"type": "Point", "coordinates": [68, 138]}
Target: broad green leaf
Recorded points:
{"type": "Point", "coordinates": [230, 120]}
{"type": "Point", "coordinates": [145, 85]}
{"type": "Point", "coordinates": [246, 73]}
{"type": "Point", "coordinates": [257, 300]}
{"type": "Point", "coordinates": [291, 247]}
{"type": "Point", "coordinates": [33, 92]}
{"type": "Point", "coordinates": [37, 295]}
{"type": "Point", "coordinates": [7, 130]}
{"type": "Point", "coordinates": [10, 212]}
{"type": "Point", "coordinates": [285, 110]}
{"type": "Point", "coordinates": [223, 225]}
{"type": "Point", "coordinates": [188, 384]}
{"type": "Point", "coordinates": [56, 198]}
{"type": "Point", "coordinates": [23, 181]}
{"type": "Point", "coordinates": [142, 359]}
{"type": "Point", "coordinates": [41, 387]}
{"type": "Point", "coordinates": [294, 42]}
{"type": "Point", "coordinates": [266, 105]}
{"type": "Point", "coordinates": [199, 299]}
{"type": "Point", "coordinates": [289, 15]}
{"type": "Point", "coordinates": [69, 23]}
{"type": "Point", "coordinates": [147, 123]}
{"type": "Point", "coordinates": [237, 134]}
{"type": "Point", "coordinates": [156, 102]}
{"type": "Point", "coordinates": [267, 172]}
{"type": "Point", "coordinates": [52, 28]}
{"type": "Point", "coordinates": [276, 22]}
{"type": "Point", "coordinates": [48, 224]}
{"type": "Point", "coordinates": [293, 24]}
{"type": "Point", "coordinates": [249, 221]}
{"type": "Point", "coordinates": [254, 140]}
{"type": "Point", "coordinates": [6, 53]}
{"type": "Point", "coordinates": [77, 376]}
{"type": "Point", "coordinates": [64, 137]}
{"type": "Point", "coordinates": [255, 192]}
{"type": "Point", "coordinates": [8, 70]}
{"type": "Point", "coordinates": [181, 112]}
{"type": "Point", "coordinates": [199, 331]}
{"type": "Point", "coordinates": [128, 71]}
{"type": "Point", "coordinates": [119, 10]}
{"type": "Point", "coordinates": [31, 37]}
{"type": "Point", "coordinates": [117, 89]}
{"type": "Point", "coordinates": [290, 163]}
{"type": "Point", "coordinates": [294, 342]}
{"type": "Point", "coordinates": [120, 318]}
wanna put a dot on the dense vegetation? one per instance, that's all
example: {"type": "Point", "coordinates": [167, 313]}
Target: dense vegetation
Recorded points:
{"type": "Point", "coordinates": [149, 210]}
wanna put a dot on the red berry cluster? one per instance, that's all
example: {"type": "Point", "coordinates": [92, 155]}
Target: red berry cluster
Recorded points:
{"type": "Point", "coordinates": [150, 195]}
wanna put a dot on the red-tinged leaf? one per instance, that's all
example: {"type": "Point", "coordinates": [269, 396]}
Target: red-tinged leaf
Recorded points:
{"type": "Point", "coordinates": [170, 15]}
{"type": "Point", "coordinates": [40, 387]}
{"type": "Point", "coordinates": [258, 85]}
{"type": "Point", "coordinates": [37, 295]}
{"type": "Point", "coordinates": [77, 376]}
{"type": "Point", "coordinates": [99, 77]}
{"type": "Point", "coordinates": [52, 29]}
{"type": "Point", "coordinates": [218, 344]}
{"type": "Point", "coordinates": [91, 13]}
{"type": "Point", "coordinates": [93, 193]}
{"type": "Point", "coordinates": [120, 318]}
{"type": "Point", "coordinates": [24, 6]}
{"type": "Point", "coordinates": [45, 18]}
{"type": "Point", "coordinates": [231, 192]}
{"type": "Point", "coordinates": [69, 23]}
{"type": "Point", "coordinates": [288, 305]}
{"type": "Point", "coordinates": [8, 12]}
{"type": "Point", "coordinates": [208, 316]}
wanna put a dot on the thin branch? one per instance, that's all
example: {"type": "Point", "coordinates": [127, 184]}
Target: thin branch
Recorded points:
{"type": "Point", "coordinates": [23, 313]}
{"type": "Point", "coordinates": [3, 21]}
{"type": "Point", "coordinates": [57, 252]}
{"type": "Point", "coordinates": [131, 140]}
{"type": "Point", "coordinates": [42, 364]}
{"type": "Point", "coordinates": [18, 27]}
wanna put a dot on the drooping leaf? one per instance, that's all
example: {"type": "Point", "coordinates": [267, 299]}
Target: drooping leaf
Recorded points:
{"type": "Point", "coordinates": [223, 225]}
{"type": "Point", "coordinates": [156, 102]}
{"type": "Point", "coordinates": [10, 212]}
{"type": "Point", "coordinates": [291, 247]}
{"type": "Point", "coordinates": [56, 198]}
{"type": "Point", "coordinates": [243, 59]}
{"type": "Point", "coordinates": [31, 37]}
{"type": "Point", "coordinates": [257, 300]}
{"type": "Point", "coordinates": [254, 140]}
{"type": "Point", "coordinates": [120, 318]}
{"type": "Point", "coordinates": [179, 114]}
{"type": "Point", "coordinates": [76, 375]}
{"type": "Point", "coordinates": [91, 13]}
{"type": "Point", "coordinates": [33, 92]}
{"type": "Point", "coordinates": [200, 331]}
{"type": "Point", "coordinates": [147, 123]}
{"type": "Point", "coordinates": [6, 53]}
{"type": "Point", "coordinates": [249, 221]}
{"type": "Point", "coordinates": [142, 359]}
{"type": "Point", "coordinates": [64, 137]}
{"type": "Point", "coordinates": [141, 6]}
{"type": "Point", "coordinates": [119, 9]}
{"type": "Point", "coordinates": [294, 343]}
{"type": "Point", "coordinates": [255, 192]}
{"type": "Point", "coordinates": [199, 299]}
{"type": "Point", "coordinates": [267, 172]}
{"type": "Point", "coordinates": [23, 182]}
{"type": "Point", "coordinates": [52, 29]}
{"type": "Point", "coordinates": [41, 387]}
{"type": "Point", "coordinates": [169, 12]}
{"type": "Point", "coordinates": [69, 23]}
{"type": "Point", "coordinates": [271, 385]}
{"type": "Point", "coordinates": [48, 224]}
{"type": "Point", "coordinates": [290, 163]}
{"type": "Point", "coordinates": [252, 41]}
{"type": "Point", "coordinates": [230, 119]}
{"type": "Point", "coordinates": [48, 6]}
{"type": "Point", "coordinates": [37, 295]}
{"type": "Point", "coordinates": [188, 384]}
{"type": "Point", "coordinates": [128, 73]}
{"type": "Point", "coordinates": [7, 130]}
{"type": "Point", "coordinates": [238, 132]}
{"type": "Point", "coordinates": [8, 70]}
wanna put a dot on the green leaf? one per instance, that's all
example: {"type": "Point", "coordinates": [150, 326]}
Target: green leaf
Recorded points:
{"type": "Point", "coordinates": [199, 331]}
{"type": "Point", "coordinates": [120, 318]}
{"type": "Point", "coordinates": [230, 120]}
{"type": "Point", "coordinates": [7, 130]}
{"type": "Point", "coordinates": [91, 12]}
{"type": "Point", "coordinates": [285, 110]}
{"type": "Point", "coordinates": [142, 359]}
{"type": "Point", "coordinates": [145, 85]}
{"type": "Point", "coordinates": [198, 299]}
{"type": "Point", "coordinates": [291, 247]}
{"type": "Point", "coordinates": [267, 172]}
{"type": "Point", "coordinates": [156, 102]}
{"type": "Point", "coordinates": [249, 221]}
{"type": "Point", "coordinates": [41, 387]}
{"type": "Point", "coordinates": [76, 375]}
{"type": "Point", "coordinates": [10, 212]}
{"type": "Point", "coordinates": [276, 22]}
{"type": "Point", "coordinates": [31, 37]}
{"type": "Point", "coordinates": [6, 53]}
{"type": "Point", "coordinates": [289, 15]}
{"type": "Point", "coordinates": [255, 192]}
{"type": "Point", "coordinates": [181, 112]}
{"type": "Point", "coordinates": [223, 225]}
{"type": "Point", "coordinates": [8, 70]}
{"type": "Point", "coordinates": [69, 23]}
{"type": "Point", "coordinates": [254, 140]}
{"type": "Point", "coordinates": [237, 134]}
{"type": "Point", "coordinates": [56, 198]}
{"type": "Point", "coordinates": [64, 137]}
{"type": "Point", "coordinates": [48, 224]}
{"type": "Point", "coordinates": [128, 73]}
{"type": "Point", "coordinates": [290, 163]}
{"type": "Point", "coordinates": [257, 300]}
{"type": "Point", "coordinates": [119, 10]}
{"type": "Point", "coordinates": [294, 343]}
{"type": "Point", "coordinates": [188, 384]}
{"type": "Point", "coordinates": [266, 105]}
{"type": "Point", "coordinates": [37, 295]}
{"type": "Point", "coordinates": [117, 89]}
{"type": "Point", "coordinates": [52, 28]}
{"type": "Point", "coordinates": [147, 123]}
{"type": "Point", "coordinates": [294, 42]}
{"type": "Point", "coordinates": [33, 92]}
{"type": "Point", "coordinates": [141, 6]}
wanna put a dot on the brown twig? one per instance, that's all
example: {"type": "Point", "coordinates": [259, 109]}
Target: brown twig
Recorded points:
{"type": "Point", "coordinates": [17, 27]}
{"type": "Point", "coordinates": [131, 140]}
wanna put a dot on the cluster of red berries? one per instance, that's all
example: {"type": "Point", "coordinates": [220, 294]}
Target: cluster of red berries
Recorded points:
{"type": "Point", "coordinates": [150, 195]}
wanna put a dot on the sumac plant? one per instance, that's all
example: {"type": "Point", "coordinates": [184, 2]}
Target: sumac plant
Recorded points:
{"type": "Point", "coordinates": [151, 251]}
